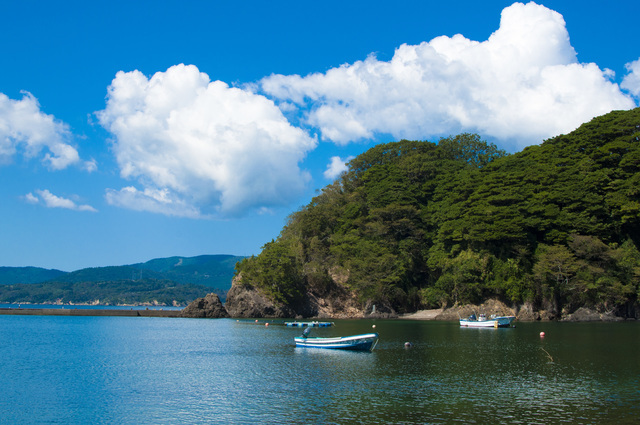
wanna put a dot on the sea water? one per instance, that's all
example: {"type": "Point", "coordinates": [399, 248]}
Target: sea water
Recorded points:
{"type": "Point", "coordinates": [139, 370]}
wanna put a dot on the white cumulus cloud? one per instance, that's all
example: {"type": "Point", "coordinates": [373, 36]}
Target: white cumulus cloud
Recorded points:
{"type": "Point", "coordinates": [50, 200]}
{"type": "Point", "coordinates": [25, 129]}
{"type": "Point", "coordinates": [160, 201]}
{"type": "Point", "coordinates": [336, 167]}
{"type": "Point", "coordinates": [520, 86]}
{"type": "Point", "coordinates": [198, 147]}
{"type": "Point", "coordinates": [631, 81]}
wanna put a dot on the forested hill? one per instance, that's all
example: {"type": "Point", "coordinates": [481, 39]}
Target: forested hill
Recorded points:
{"type": "Point", "coordinates": [418, 224]}
{"type": "Point", "coordinates": [162, 280]}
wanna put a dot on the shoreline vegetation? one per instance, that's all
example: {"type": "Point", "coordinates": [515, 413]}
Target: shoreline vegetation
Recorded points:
{"type": "Point", "coordinates": [551, 231]}
{"type": "Point", "coordinates": [421, 315]}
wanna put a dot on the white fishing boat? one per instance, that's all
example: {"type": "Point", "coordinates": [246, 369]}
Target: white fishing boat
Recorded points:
{"type": "Point", "coordinates": [483, 321]}
{"type": "Point", "coordinates": [364, 342]}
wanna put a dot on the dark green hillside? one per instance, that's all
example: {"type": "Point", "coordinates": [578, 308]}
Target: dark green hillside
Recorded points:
{"type": "Point", "coordinates": [213, 271]}
{"type": "Point", "coordinates": [11, 275]}
{"type": "Point", "coordinates": [182, 279]}
{"type": "Point", "coordinates": [419, 224]}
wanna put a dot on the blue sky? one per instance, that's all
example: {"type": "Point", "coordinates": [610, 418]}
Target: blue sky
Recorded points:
{"type": "Point", "coordinates": [132, 130]}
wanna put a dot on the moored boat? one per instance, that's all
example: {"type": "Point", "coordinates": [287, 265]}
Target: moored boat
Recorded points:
{"type": "Point", "coordinates": [311, 324]}
{"type": "Point", "coordinates": [364, 342]}
{"type": "Point", "coordinates": [483, 322]}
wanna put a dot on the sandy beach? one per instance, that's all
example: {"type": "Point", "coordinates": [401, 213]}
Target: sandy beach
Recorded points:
{"type": "Point", "coordinates": [422, 314]}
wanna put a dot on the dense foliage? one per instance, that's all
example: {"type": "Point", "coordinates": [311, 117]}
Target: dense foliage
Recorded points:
{"type": "Point", "coordinates": [419, 224]}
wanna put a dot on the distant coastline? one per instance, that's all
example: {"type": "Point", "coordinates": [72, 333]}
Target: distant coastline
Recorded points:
{"type": "Point", "coordinates": [47, 310]}
{"type": "Point", "coordinates": [24, 306]}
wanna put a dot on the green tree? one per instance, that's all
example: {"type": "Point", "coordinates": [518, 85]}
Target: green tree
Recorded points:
{"type": "Point", "coordinates": [553, 271]}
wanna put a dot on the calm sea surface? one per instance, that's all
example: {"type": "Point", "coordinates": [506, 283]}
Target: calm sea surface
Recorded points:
{"type": "Point", "coordinates": [138, 370]}
{"type": "Point", "coordinates": [89, 307]}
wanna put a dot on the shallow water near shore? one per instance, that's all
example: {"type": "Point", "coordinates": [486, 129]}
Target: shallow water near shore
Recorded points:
{"type": "Point", "coordinates": [168, 370]}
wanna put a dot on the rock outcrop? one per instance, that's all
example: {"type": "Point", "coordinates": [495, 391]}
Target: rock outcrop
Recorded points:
{"type": "Point", "coordinates": [527, 313]}
{"type": "Point", "coordinates": [584, 314]}
{"type": "Point", "coordinates": [209, 307]}
{"type": "Point", "coordinates": [245, 300]}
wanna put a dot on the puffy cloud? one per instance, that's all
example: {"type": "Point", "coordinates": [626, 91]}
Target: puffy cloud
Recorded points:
{"type": "Point", "coordinates": [52, 201]}
{"type": "Point", "coordinates": [631, 81]}
{"type": "Point", "coordinates": [199, 147]}
{"type": "Point", "coordinates": [24, 128]}
{"type": "Point", "coordinates": [520, 86]}
{"type": "Point", "coordinates": [336, 167]}
{"type": "Point", "coordinates": [160, 201]}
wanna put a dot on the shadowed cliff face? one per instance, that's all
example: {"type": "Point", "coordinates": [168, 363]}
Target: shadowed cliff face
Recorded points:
{"type": "Point", "coordinates": [245, 300]}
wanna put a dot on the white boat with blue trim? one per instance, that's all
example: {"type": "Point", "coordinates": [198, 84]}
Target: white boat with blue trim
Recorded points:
{"type": "Point", "coordinates": [364, 342]}
{"type": "Point", "coordinates": [483, 321]}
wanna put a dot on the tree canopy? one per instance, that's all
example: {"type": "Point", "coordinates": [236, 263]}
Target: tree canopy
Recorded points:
{"type": "Point", "coordinates": [422, 224]}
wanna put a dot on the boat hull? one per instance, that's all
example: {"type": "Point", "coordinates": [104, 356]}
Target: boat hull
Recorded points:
{"type": "Point", "coordinates": [309, 324]}
{"type": "Point", "coordinates": [364, 342]}
{"type": "Point", "coordinates": [497, 322]}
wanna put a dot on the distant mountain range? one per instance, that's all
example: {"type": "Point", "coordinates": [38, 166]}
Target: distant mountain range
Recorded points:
{"type": "Point", "coordinates": [11, 275]}
{"type": "Point", "coordinates": [169, 278]}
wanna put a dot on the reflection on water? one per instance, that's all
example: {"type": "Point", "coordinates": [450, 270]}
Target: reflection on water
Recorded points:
{"type": "Point", "coordinates": [162, 370]}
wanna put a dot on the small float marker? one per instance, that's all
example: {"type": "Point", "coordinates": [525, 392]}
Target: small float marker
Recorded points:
{"type": "Point", "coordinates": [374, 326]}
{"type": "Point", "coordinates": [541, 334]}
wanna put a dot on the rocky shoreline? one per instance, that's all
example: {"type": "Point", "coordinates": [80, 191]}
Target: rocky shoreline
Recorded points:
{"type": "Point", "coordinates": [246, 302]}
{"type": "Point", "coordinates": [251, 304]}
{"type": "Point", "coordinates": [581, 315]}
{"type": "Point", "coordinates": [336, 302]}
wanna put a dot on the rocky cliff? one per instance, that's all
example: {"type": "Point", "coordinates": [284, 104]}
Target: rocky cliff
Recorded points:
{"type": "Point", "coordinates": [244, 300]}
{"type": "Point", "coordinates": [209, 307]}
{"type": "Point", "coordinates": [334, 301]}
{"type": "Point", "coordinates": [247, 301]}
